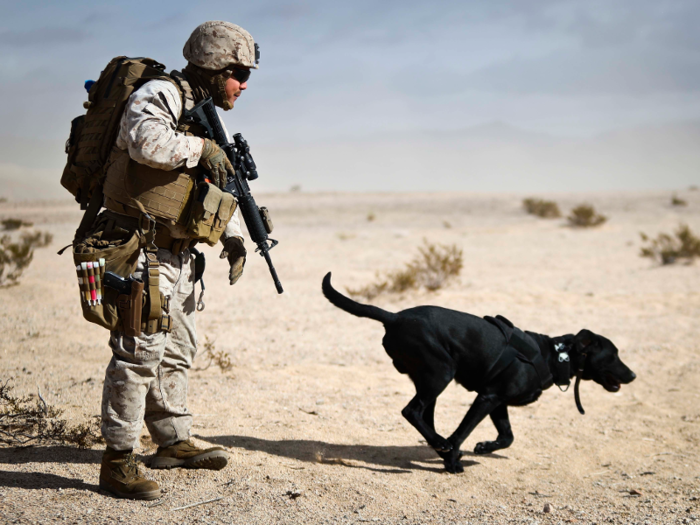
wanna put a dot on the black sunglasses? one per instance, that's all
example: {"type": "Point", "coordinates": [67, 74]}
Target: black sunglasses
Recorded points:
{"type": "Point", "coordinates": [240, 74]}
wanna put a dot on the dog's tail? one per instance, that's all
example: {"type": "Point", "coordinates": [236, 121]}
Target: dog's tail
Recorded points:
{"type": "Point", "coordinates": [353, 307]}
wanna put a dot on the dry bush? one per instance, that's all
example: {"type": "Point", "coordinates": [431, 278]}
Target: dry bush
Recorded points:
{"type": "Point", "coordinates": [15, 256]}
{"type": "Point", "coordinates": [431, 268]}
{"type": "Point", "coordinates": [217, 357]}
{"type": "Point", "coordinates": [542, 208]}
{"type": "Point", "coordinates": [3, 200]}
{"type": "Point", "coordinates": [371, 216]}
{"type": "Point", "coordinates": [23, 423]}
{"type": "Point", "coordinates": [14, 224]}
{"type": "Point", "coordinates": [669, 249]}
{"type": "Point", "coordinates": [585, 216]}
{"type": "Point", "coordinates": [677, 201]}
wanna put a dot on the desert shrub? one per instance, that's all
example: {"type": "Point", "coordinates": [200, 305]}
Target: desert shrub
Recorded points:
{"type": "Point", "coordinates": [3, 200]}
{"type": "Point", "coordinates": [431, 268]}
{"type": "Point", "coordinates": [23, 423]}
{"type": "Point", "coordinates": [585, 216]}
{"type": "Point", "coordinates": [216, 357]}
{"type": "Point", "coordinates": [542, 208]}
{"type": "Point", "coordinates": [13, 224]}
{"type": "Point", "coordinates": [677, 201]}
{"type": "Point", "coordinates": [371, 216]}
{"type": "Point", "coordinates": [15, 256]}
{"type": "Point", "coordinates": [670, 248]}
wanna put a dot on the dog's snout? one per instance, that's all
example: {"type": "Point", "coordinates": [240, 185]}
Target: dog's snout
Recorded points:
{"type": "Point", "coordinates": [633, 376]}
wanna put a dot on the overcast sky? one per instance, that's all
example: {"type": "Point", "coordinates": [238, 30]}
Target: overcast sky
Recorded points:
{"type": "Point", "coordinates": [333, 71]}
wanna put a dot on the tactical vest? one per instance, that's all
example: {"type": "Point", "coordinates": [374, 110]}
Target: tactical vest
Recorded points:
{"type": "Point", "coordinates": [188, 209]}
{"type": "Point", "coordinates": [166, 195]}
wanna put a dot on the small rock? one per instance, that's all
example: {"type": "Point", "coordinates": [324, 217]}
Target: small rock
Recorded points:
{"type": "Point", "coordinates": [635, 492]}
{"type": "Point", "coordinates": [293, 494]}
{"type": "Point", "coordinates": [547, 508]}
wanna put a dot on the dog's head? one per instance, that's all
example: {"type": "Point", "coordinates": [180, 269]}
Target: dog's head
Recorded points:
{"type": "Point", "coordinates": [600, 362]}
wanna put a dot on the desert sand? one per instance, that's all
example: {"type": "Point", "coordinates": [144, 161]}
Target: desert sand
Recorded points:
{"type": "Point", "coordinates": [310, 411]}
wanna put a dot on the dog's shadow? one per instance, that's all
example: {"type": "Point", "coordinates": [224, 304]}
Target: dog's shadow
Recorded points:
{"type": "Point", "coordinates": [399, 460]}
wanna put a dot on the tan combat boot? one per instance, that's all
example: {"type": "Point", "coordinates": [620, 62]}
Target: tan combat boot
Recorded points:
{"type": "Point", "coordinates": [120, 476]}
{"type": "Point", "coordinates": [186, 454]}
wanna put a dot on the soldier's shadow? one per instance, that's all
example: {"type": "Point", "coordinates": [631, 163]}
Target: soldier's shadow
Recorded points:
{"type": "Point", "coordinates": [388, 459]}
{"type": "Point", "coordinates": [41, 480]}
{"type": "Point", "coordinates": [13, 456]}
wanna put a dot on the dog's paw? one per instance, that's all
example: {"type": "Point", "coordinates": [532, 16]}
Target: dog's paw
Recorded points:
{"type": "Point", "coordinates": [441, 445]}
{"type": "Point", "coordinates": [454, 467]}
{"type": "Point", "coordinates": [485, 447]}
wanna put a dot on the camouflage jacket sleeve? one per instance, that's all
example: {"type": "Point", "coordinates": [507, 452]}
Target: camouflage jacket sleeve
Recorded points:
{"type": "Point", "coordinates": [147, 129]}
{"type": "Point", "coordinates": [233, 228]}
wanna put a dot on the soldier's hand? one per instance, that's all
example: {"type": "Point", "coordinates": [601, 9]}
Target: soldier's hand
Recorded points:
{"type": "Point", "coordinates": [215, 161]}
{"type": "Point", "coordinates": [235, 252]}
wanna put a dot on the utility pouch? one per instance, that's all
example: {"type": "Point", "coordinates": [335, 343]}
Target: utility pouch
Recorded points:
{"type": "Point", "coordinates": [210, 211]}
{"type": "Point", "coordinates": [120, 257]}
{"type": "Point", "coordinates": [71, 178]}
{"type": "Point", "coordinates": [266, 219]}
{"type": "Point", "coordinates": [130, 309]}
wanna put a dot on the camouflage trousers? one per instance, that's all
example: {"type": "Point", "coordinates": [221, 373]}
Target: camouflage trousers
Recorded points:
{"type": "Point", "coordinates": [146, 379]}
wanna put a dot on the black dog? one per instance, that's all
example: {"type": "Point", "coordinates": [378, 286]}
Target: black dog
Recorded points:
{"type": "Point", "coordinates": [504, 365]}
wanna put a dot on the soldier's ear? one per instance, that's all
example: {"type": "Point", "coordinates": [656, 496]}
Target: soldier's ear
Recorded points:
{"type": "Point", "coordinates": [584, 339]}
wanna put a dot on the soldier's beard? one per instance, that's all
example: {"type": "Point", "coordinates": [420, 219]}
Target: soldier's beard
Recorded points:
{"type": "Point", "coordinates": [206, 83]}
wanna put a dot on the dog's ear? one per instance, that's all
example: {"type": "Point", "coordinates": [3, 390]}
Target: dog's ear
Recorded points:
{"type": "Point", "coordinates": [584, 339]}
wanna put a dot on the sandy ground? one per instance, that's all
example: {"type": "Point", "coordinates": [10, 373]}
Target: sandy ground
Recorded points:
{"type": "Point", "coordinates": [311, 409]}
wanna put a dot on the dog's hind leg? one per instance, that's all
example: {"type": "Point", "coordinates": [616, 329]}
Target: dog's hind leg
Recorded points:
{"type": "Point", "coordinates": [483, 405]}
{"type": "Point", "coordinates": [499, 416]}
{"type": "Point", "coordinates": [422, 403]}
{"type": "Point", "coordinates": [429, 415]}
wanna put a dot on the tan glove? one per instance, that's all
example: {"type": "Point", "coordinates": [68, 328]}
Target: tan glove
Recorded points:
{"type": "Point", "coordinates": [215, 161]}
{"type": "Point", "coordinates": [235, 252]}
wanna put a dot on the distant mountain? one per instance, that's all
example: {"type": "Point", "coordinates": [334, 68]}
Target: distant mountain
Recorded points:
{"type": "Point", "coordinates": [491, 157]}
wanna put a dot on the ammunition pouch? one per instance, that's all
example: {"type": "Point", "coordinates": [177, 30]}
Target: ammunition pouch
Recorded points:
{"type": "Point", "coordinates": [119, 240]}
{"type": "Point", "coordinates": [120, 258]}
{"type": "Point", "coordinates": [210, 211]}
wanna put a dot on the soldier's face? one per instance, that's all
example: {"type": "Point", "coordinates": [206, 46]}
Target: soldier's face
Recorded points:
{"type": "Point", "coordinates": [233, 89]}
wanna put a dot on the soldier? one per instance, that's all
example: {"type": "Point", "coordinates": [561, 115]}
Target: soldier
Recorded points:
{"type": "Point", "coordinates": [146, 379]}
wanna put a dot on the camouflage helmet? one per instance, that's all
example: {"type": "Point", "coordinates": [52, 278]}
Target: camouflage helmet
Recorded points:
{"type": "Point", "coordinates": [215, 45]}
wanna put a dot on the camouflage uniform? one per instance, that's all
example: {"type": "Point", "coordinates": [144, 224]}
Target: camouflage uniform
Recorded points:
{"type": "Point", "coordinates": [147, 376]}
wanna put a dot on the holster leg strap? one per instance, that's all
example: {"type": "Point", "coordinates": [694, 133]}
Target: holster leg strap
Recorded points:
{"type": "Point", "coordinates": [154, 309]}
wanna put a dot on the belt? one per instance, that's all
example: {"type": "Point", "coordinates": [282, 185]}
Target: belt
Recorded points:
{"type": "Point", "coordinates": [166, 241]}
{"type": "Point", "coordinates": [128, 217]}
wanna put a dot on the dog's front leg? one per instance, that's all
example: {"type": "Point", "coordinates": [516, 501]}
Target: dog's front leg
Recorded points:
{"type": "Point", "coordinates": [483, 405]}
{"type": "Point", "coordinates": [499, 416]}
{"type": "Point", "coordinates": [413, 412]}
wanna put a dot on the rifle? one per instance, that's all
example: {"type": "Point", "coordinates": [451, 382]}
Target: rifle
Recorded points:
{"type": "Point", "coordinates": [257, 220]}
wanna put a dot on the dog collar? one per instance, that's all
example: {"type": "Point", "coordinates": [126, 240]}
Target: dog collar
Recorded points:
{"type": "Point", "coordinates": [562, 366]}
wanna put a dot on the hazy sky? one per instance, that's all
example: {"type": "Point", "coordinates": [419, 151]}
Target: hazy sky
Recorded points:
{"type": "Point", "coordinates": [333, 71]}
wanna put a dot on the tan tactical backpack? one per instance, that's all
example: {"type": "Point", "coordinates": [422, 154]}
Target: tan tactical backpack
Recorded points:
{"type": "Point", "coordinates": [92, 135]}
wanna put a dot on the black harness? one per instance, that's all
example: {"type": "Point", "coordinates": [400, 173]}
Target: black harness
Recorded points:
{"type": "Point", "coordinates": [519, 346]}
